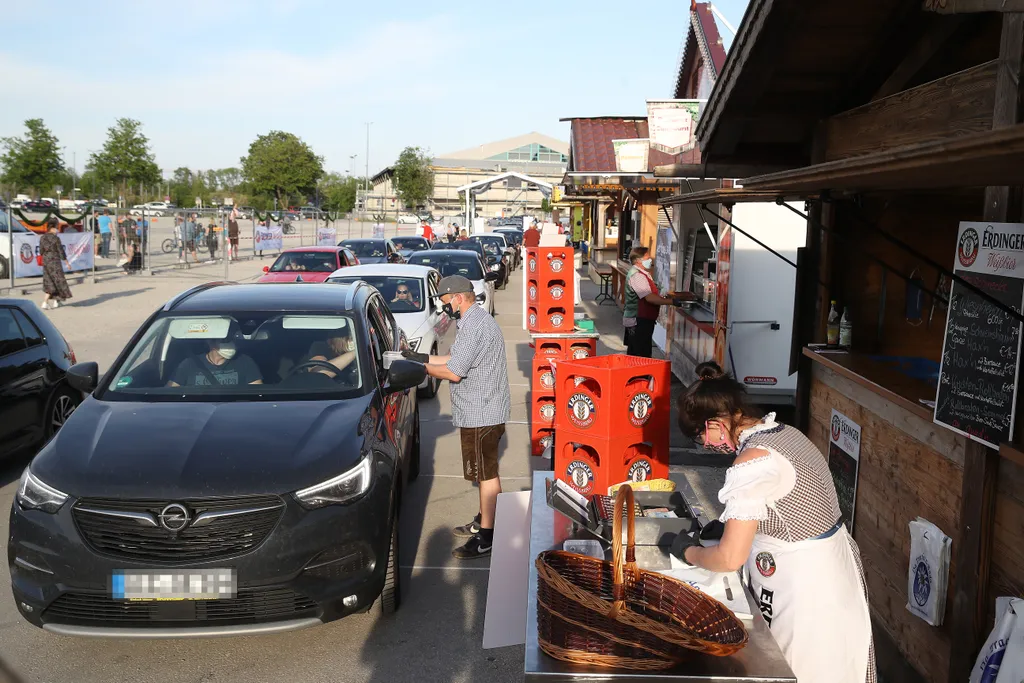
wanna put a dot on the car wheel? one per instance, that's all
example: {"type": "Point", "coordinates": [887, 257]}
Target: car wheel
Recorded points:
{"type": "Point", "coordinates": [433, 383]}
{"type": "Point", "coordinates": [414, 456]}
{"type": "Point", "coordinates": [61, 406]}
{"type": "Point", "coordinates": [391, 595]}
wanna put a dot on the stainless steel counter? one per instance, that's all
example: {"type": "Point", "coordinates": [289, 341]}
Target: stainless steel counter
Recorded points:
{"type": "Point", "coordinates": [760, 660]}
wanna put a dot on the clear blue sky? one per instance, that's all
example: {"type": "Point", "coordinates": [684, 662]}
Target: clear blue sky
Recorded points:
{"type": "Point", "coordinates": [207, 76]}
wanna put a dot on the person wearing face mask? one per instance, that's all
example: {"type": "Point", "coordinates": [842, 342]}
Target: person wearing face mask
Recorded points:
{"type": "Point", "coordinates": [481, 402]}
{"type": "Point", "coordinates": [221, 364]}
{"type": "Point", "coordinates": [643, 303]}
{"type": "Point", "coordinates": [782, 521]}
{"type": "Point", "coordinates": [339, 350]}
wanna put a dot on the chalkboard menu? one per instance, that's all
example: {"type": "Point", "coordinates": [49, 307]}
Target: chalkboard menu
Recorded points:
{"type": "Point", "coordinates": [981, 352]}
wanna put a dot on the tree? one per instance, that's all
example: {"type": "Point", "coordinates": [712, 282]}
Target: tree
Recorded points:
{"type": "Point", "coordinates": [414, 179]}
{"type": "Point", "coordinates": [125, 157]}
{"type": "Point", "coordinates": [281, 164]}
{"type": "Point", "coordinates": [33, 161]}
{"type": "Point", "coordinates": [545, 205]}
{"type": "Point", "coordinates": [338, 192]}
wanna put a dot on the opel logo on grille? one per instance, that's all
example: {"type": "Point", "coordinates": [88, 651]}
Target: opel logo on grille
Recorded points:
{"type": "Point", "coordinates": [174, 517]}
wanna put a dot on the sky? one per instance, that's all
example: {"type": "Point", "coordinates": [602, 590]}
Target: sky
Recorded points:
{"type": "Point", "coordinates": [205, 77]}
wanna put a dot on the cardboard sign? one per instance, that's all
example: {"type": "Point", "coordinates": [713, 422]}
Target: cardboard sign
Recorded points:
{"type": "Point", "coordinates": [844, 462]}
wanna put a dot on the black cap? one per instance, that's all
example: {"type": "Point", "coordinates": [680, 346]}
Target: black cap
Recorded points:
{"type": "Point", "coordinates": [454, 284]}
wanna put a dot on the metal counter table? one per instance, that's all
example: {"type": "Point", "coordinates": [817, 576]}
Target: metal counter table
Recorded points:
{"type": "Point", "coordinates": [760, 660]}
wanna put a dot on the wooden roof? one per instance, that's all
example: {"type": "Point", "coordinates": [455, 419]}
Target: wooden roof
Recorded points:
{"type": "Point", "coordinates": [733, 195]}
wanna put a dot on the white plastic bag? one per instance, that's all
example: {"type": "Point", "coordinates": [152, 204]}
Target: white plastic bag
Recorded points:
{"type": "Point", "coordinates": [987, 668]}
{"type": "Point", "coordinates": [928, 574]}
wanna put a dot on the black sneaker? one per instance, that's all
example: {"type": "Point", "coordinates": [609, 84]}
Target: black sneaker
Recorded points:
{"type": "Point", "coordinates": [467, 530]}
{"type": "Point", "coordinates": [473, 548]}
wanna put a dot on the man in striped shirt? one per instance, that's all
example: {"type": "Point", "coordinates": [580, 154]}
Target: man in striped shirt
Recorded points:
{"type": "Point", "coordinates": [481, 402]}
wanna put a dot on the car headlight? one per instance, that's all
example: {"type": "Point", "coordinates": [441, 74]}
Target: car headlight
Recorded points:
{"type": "Point", "coordinates": [341, 489]}
{"type": "Point", "coordinates": [35, 494]}
{"type": "Point", "coordinates": [495, 268]}
{"type": "Point", "coordinates": [414, 343]}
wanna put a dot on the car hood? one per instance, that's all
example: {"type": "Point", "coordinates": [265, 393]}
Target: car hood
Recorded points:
{"type": "Point", "coordinates": [292, 275]}
{"type": "Point", "coordinates": [175, 450]}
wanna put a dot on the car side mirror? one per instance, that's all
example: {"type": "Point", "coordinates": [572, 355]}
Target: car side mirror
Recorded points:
{"type": "Point", "coordinates": [84, 376]}
{"type": "Point", "coordinates": [266, 269]}
{"type": "Point", "coordinates": [491, 276]}
{"type": "Point", "coordinates": [404, 374]}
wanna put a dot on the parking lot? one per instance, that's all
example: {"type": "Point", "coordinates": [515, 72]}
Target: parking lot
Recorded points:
{"type": "Point", "coordinates": [436, 635]}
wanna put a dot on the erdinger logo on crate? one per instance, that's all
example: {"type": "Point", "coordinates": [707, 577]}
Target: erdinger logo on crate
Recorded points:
{"type": "Point", "coordinates": [580, 476]}
{"type": "Point", "coordinates": [557, 319]}
{"type": "Point", "coordinates": [967, 248]}
{"type": "Point", "coordinates": [533, 320]}
{"type": "Point", "coordinates": [547, 380]}
{"type": "Point", "coordinates": [557, 292]}
{"type": "Point", "coordinates": [640, 408]}
{"type": "Point", "coordinates": [533, 292]}
{"type": "Point", "coordinates": [581, 410]}
{"type": "Point", "coordinates": [547, 411]}
{"type": "Point", "coordinates": [551, 351]}
{"type": "Point", "coordinates": [533, 264]}
{"type": "Point", "coordinates": [556, 265]}
{"type": "Point", "coordinates": [640, 471]}
{"type": "Point", "coordinates": [579, 352]}
{"type": "Point", "coordinates": [546, 441]}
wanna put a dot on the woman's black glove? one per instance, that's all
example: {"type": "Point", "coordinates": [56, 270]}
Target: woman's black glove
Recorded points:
{"type": "Point", "coordinates": [681, 543]}
{"type": "Point", "coordinates": [409, 354]}
{"type": "Point", "coordinates": [712, 531]}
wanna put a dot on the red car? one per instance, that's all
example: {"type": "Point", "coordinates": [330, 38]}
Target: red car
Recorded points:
{"type": "Point", "coordinates": [311, 264]}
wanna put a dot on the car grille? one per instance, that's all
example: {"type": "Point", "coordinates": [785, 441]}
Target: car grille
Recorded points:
{"type": "Point", "coordinates": [129, 529]}
{"type": "Point", "coordinates": [247, 607]}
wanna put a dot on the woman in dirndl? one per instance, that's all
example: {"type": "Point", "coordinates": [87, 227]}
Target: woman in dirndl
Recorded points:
{"type": "Point", "coordinates": [782, 522]}
{"type": "Point", "coordinates": [51, 250]}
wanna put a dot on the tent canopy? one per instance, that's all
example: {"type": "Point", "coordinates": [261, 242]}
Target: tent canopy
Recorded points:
{"type": "Point", "coordinates": [484, 185]}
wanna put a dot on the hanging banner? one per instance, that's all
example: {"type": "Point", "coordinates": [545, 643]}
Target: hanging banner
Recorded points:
{"type": "Point", "coordinates": [844, 462]}
{"type": "Point", "coordinates": [77, 245]}
{"type": "Point", "coordinates": [269, 237]}
{"type": "Point", "coordinates": [671, 124]}
{"type": "Point", "coordinates": [631, 155]}
{"type": "Point", "coordinates": [326, 237]}
{"type": "Point", "coordinates": [977, 388]}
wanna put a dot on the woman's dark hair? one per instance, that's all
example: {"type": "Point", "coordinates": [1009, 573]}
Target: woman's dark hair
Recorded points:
{"type": "Point", "coordinates": [51, 224]}
{"type": "Point", "coordinates": [714, 394]}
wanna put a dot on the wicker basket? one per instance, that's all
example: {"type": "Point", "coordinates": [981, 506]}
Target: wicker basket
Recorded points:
{"type": "Point", "coordinates": [614, 614]}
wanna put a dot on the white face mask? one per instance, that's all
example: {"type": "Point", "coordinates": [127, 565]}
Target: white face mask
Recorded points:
{"type": "Point", "coordinates": [647, 263]}
{"type": "Point", "coordinates": [227, 351]}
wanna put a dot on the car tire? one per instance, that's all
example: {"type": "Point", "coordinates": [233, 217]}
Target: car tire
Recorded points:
{"type": "Point", "coordinates": [391, 594]}
{"type": "Point", "coordinates": [433, 383]}
{"type": "Point", "coordinates": [63, 402]}
{"type": "Point", "coordinates": [414, 456]}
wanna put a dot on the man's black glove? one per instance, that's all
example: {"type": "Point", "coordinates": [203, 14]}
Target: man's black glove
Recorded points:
{"type": "Point", "coordinates": [681, 543]}
{"type": "Point", "coordinates": [712, 531]}
{"type": "Point", "coordinates": [409, 354]}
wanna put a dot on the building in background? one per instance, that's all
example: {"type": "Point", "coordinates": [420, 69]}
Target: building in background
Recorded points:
{"type": "Point", "coordinates": [535, 155]}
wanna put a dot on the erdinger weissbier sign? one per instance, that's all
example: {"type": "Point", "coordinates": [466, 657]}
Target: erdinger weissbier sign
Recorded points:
{"type": "Point", "coordinates": [671, 124]}
{"type": "Point", "coordinates": [977, 388]}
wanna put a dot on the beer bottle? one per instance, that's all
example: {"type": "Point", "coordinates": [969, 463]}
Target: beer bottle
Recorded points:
{"type": "Point", "coordinates": [832, 326]}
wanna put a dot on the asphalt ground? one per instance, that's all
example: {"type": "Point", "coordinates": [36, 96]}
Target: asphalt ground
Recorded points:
{"type": "Point", "coordinates": [437, 633]}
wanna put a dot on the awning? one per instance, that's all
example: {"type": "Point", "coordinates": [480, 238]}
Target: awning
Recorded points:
{"type": "Point", "coordinates": [619, 181]}
{"type": "Point", "coordinates": [990, 158]}
{"type": "Point", "coordinates": [481, 186]}
{"type": "Point", "coordinates": [733, 195]}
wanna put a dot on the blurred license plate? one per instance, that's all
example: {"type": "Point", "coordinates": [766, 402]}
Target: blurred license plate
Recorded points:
{"type": "Point", "coordinates": [195, 584]}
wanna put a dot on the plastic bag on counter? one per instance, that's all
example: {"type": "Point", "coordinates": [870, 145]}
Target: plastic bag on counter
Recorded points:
{"type": "Point", "coordinates": [1001, 658]}
{"type": "Point", "coordinates": [928, 574]}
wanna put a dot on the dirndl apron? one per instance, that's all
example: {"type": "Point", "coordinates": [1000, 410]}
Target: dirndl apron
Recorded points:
{"type": "Point", "coordinates": [811, 595]}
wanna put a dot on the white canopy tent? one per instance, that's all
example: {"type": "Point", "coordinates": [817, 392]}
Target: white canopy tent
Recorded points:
{"type": "Point", "coordinates": [479, 187]}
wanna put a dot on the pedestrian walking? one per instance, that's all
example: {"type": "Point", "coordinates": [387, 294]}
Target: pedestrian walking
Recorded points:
{"type": "Point", "coordinates": [92, 224]}
{"type": "Point", "coordinates": [478, 374]}
{"type": "Point", "coordinates": [449, 233]}
{"type": "Point", "coordinates": [51, 251]}
{"type": "Point", "coordinates": [105, 222]}
{"type": "Point", "coordinates": [211, 240]}
{"type": "Point", "coordinates": [531, 238]}
{"type": "Point", "coordinates": [233, 233]}
{"type": "Point", "coordinates": [643, 303]}
{"type": "Point", "coordinates": [783, 523]}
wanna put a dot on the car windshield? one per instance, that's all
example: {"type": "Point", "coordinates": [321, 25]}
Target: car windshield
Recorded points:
{"type": "Point", "coordinates": [413, 243]}
{"type": "Point", "coordinates": [367, 247]}
{"type": "Point", "coordinates": [512, 236]}
{"type": "Point", "coordinates": [492, 245]}
{"type": "Point", "coordinates": [468, 268]}
{"type": "Point", "coordinates": [403, 294]}
{"type": "Point", "coordinates": [305, 261]}
{"type": "Point", "coordinates": [250, 356]}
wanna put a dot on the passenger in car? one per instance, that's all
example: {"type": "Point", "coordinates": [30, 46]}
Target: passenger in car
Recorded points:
{"type": "Point", "coordinates": [405, 294]}
{"type": "Point", "coordinates": [221, 363]}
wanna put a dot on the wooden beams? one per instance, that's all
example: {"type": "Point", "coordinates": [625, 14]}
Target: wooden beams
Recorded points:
{"type": "Point", "coordinates": [729, 195]}
{"type": "Point", "coordinates": [955, 105]}
{"type": "Point", "coordinates": [981, 464]}
{"type": "Point", "coordinates": [712, 170]}
{"type": "Point", "coordinates": [969, 6]}
{"type": "Point", "coordinates": [925, 48]}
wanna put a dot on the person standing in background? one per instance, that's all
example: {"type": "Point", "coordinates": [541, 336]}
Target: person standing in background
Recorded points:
{"type": "Point", "coordinates": [643, 303]}
{"type": "Point", "coordinates": [105, 222]}
{"type": "Point", "coordinates": [233, 233]}
{"type": "Point", "coordinates": [211, 239]}
{"type": "Point", "coordinates": [51, 250]}
{"type": "Point", "coordinates": [531, 238]}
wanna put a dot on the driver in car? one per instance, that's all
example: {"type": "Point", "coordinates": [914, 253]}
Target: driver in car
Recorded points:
{"type": "Point", "coordinates": [404, 294]}
{"type": "Point", "coordinates": [221, 363]}
{"type": "Point", "coordinates": [339, 350]}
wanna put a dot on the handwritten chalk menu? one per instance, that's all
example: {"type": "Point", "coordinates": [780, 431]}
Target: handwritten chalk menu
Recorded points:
{"type": "Point", "coordinates": [977, 388]}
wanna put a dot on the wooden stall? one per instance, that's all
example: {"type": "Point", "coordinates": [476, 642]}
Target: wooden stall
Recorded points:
{"type": "Point", "coordinates": [897, 122]}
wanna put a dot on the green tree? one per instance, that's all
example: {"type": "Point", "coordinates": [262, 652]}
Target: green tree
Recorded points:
{"type": "Point", "coordinates": [545, 205]}
{"type": "Point", "coordinates": [414, 178]}
{"type": "Point", "coordinates": [125, 158]}
{"type": "Point", "coordinates": [280, 164]}
{"type": "Point", "coordinates": [338, 192]}
{"type": "Point", "coordinates": [34, 160]}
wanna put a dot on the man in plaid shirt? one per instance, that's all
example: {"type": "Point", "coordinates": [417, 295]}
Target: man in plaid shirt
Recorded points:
{"type": "Point", "coordinates": [478, 374]}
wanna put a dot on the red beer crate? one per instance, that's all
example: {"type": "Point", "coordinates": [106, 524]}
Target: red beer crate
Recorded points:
{"type": "Point", "coordinates": [547, 263]}
{"type": "Point", "coordinates": [542, 379]}
{"type": "Point", "coordinates": [551, 319]}
{"type": "Point", "coordinates": [565, 347]}
{"type": "Point", "coordinates": [614, 396]}
{"type": "Point", "coordinates": [542, 413]}
{"type": "Point", "coordinates": [540, 439]}
{"type": "Point", "coordinates": [591, 465]}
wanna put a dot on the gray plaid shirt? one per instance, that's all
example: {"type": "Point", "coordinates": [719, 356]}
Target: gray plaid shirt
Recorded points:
{"type": "Point", "coordinates": [482, 398]}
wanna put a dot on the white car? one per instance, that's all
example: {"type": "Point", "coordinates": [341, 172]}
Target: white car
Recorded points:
{"type": "Point", "coordinates": [464, 262]}
{"type": "Point", "coordinates": [408, 218]}
{"type": "Point", "coordinates": [152, 209]}
{"type": "Point", "coordinates": [409, 292]}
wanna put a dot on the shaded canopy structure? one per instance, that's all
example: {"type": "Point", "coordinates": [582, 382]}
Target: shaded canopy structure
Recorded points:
{"type": "Point", "coordinates": [521, 181]}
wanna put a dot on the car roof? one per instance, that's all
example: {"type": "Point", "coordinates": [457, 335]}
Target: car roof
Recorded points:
{"type": "Point", "coordinates": [395, 269]}
{"type": "Point", "coordinates": [350, 240]}
{"type": "Point", "coordinates": [229, 297]}
{"type": "Point", "coordinates": [446, 252]}
{"type": "Point", "coordinates": [302, 249]}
